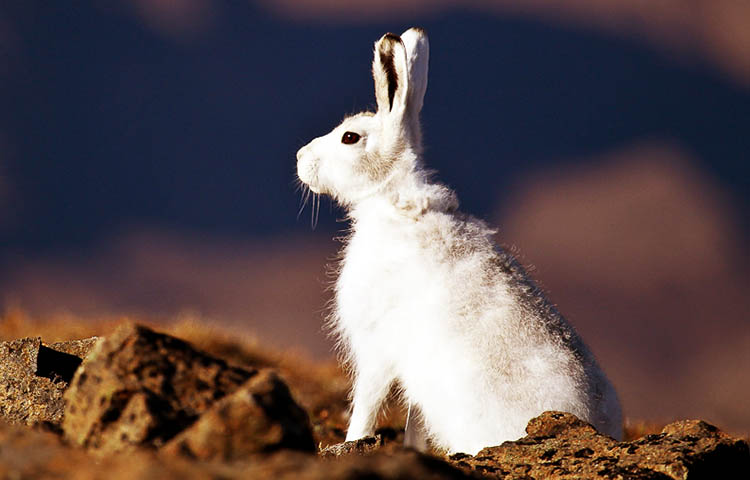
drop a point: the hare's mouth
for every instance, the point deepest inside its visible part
(307, 174)
(310, 183)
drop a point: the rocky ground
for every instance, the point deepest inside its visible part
(194, 403)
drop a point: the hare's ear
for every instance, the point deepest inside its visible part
(417, 55)
(390, 71)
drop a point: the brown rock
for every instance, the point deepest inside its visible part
(79, 348)
(401, 465)
(690, 449)
(34, 376)
(30, 454)
(140, 388)
(560, 446)
(551, 424)
(259, 417)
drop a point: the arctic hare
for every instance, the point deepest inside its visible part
(425, 299)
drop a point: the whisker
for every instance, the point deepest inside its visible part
(314, 210)
(303, 199)
(317, 211)
(303, 196)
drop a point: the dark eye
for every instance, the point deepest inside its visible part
(350, 138)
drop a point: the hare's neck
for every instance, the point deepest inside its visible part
(378, 208)
(406, 201)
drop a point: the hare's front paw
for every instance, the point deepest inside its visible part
(363, 446)
(371, 386)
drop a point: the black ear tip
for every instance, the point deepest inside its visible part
(392, 37)
(388, 43)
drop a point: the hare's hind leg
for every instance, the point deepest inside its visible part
(415, 435)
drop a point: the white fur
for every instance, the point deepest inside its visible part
(426, 300)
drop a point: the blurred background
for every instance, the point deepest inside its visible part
(147, 166)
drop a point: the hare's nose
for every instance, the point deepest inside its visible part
(301, 153)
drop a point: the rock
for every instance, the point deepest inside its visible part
(560, 446)
(138, 387)
(363, 446)
(27, 453)
(551, 424)
(260, 417)
(202, 418)
(79, 348)
(34, 376)
(690, 449)
(30, 454)
(401, 465)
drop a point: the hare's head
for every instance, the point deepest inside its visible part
(372, 152)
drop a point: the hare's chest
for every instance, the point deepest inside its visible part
(383, 281)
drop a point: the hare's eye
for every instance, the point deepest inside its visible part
(350, 138)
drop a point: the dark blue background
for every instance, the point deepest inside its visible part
(112, 125)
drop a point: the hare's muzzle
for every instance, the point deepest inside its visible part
(307, 168)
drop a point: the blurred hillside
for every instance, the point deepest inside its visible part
(147, 167)
(645, 255)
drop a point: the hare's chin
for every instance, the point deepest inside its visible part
(307, 177)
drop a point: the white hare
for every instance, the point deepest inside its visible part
(426, 300)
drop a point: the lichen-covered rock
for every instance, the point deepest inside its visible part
(560, 446)
(138, 387)
(34, 376)
(260, 417)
